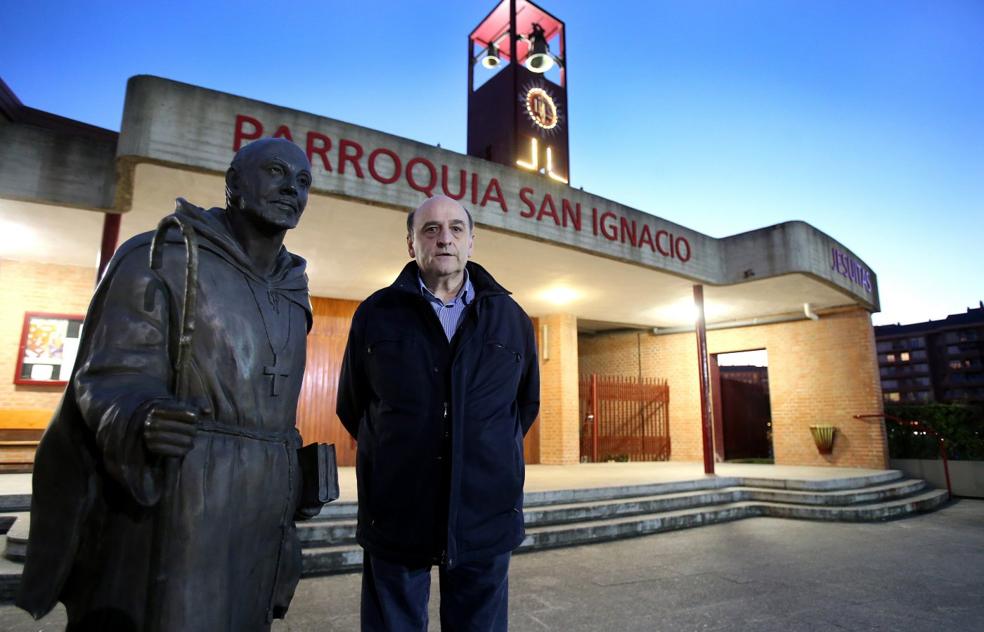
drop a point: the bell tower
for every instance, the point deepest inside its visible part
(517, 90)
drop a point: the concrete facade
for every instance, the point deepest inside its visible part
(622, 268)
(174, 123)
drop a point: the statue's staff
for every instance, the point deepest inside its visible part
(157, 577)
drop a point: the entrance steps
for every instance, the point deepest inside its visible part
(582, 516)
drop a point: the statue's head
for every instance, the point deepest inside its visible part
(268, 183)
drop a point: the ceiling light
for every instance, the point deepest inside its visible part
(684, 312)
(560, 295)
(16, 238)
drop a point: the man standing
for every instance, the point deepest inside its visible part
(232, 557)
(439, 385)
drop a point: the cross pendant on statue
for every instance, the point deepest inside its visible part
(275, 371)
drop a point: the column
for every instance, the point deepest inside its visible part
(559, 422)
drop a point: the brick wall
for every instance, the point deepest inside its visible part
(35, 287)
(559, 441)
(820, 372)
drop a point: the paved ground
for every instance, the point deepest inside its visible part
(924, 573)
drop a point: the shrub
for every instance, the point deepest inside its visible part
(962, 426)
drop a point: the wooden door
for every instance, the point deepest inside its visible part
(316, 417)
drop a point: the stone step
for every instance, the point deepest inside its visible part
(327, 531)
(926, 500)
(339, 511)
(581, 516)
(646, 524)
(328, 560)
(10, 573)
(898, 488)
(345, 558)
(15, 543)
(15, 502)
(566, 496)
(559, 514)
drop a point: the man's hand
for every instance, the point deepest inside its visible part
(170, 428)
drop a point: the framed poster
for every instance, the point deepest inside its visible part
(48, 346)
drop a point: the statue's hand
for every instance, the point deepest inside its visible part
(169, 429)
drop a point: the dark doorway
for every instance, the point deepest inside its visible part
(742, 405)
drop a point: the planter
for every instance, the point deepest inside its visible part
(823, 436)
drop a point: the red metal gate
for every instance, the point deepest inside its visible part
(624, 419)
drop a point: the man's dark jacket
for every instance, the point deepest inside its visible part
(439, 424)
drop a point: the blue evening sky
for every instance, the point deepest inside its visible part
(864, 118)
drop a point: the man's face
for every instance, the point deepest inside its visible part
(441, 240)
(272, 183)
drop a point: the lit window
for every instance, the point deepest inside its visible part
(904, 356)
(890, 357)
(892, 397)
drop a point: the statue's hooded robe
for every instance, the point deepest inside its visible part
(232, 556)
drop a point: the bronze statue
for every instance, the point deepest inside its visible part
(204, 392)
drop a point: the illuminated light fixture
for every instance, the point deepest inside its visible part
(17, 238)
(685, 313)
(550, 171)
(534, 162)
(539, 59)
(491, 57)
(560, 295)
(541, 108)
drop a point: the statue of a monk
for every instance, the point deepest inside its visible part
(232, 559)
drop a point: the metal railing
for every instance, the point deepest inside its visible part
(919, 426)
